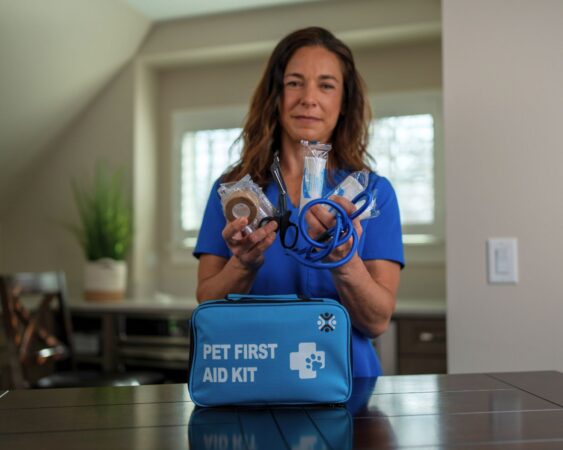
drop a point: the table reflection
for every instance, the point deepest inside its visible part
(372, 428)
(272, 428)
(296, 428)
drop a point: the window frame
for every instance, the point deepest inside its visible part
(423, 242)
(412, 103)
(182, 122)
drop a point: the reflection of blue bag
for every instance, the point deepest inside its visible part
(270, 350)
(272, 429)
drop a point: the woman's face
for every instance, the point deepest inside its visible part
(312, 95)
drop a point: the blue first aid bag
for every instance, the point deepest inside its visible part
(270, 350)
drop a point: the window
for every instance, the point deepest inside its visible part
(403, 148)
(406, 144)
(204, 156)
(405, 141)
(202, 150)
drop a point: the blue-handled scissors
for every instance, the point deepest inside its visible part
(288, 230)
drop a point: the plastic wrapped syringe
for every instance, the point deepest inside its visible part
(314, 169)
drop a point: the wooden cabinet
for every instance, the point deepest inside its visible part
(421, 345)
(118, 341)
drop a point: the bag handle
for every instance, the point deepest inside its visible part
(236, 297)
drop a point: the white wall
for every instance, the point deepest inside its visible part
(503, 106)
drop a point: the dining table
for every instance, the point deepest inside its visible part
(500, 410)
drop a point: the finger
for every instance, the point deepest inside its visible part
(263, 245)
(323, 215)
(319, 220)
(314, 225)
(346, 204)
(259, 234)
(251, 240)
(256, 253)
(271, 227)
(237, 225)
(358, 227)
(232, 233)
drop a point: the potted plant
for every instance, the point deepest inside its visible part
(105, 233)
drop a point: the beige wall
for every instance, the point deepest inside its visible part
(503, 95)
(359, 21)
(182, 63)
(56, 57)
(35, 236)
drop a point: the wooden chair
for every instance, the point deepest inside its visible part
(42, 338)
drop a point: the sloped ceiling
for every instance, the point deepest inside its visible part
(55, 56)
(175, 9)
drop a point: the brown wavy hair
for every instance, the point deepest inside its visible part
(261, 132)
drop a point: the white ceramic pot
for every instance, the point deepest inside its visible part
(105, 280)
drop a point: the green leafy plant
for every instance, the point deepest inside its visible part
(106, 216)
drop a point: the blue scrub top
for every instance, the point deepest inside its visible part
(281, 274)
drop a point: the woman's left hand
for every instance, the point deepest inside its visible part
(319, 220)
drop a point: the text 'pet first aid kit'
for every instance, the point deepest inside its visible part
(270, 350)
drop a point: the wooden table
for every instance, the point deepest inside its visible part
(487, 411)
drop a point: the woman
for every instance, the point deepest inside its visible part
(310, 90)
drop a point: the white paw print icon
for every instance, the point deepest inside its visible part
(307, 361)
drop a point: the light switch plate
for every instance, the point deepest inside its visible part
(502, 260)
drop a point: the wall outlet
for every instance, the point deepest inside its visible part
(502, 260)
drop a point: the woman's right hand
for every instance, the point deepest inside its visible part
(249, 249)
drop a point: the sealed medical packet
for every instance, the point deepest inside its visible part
(244, 198)
(314, 170)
